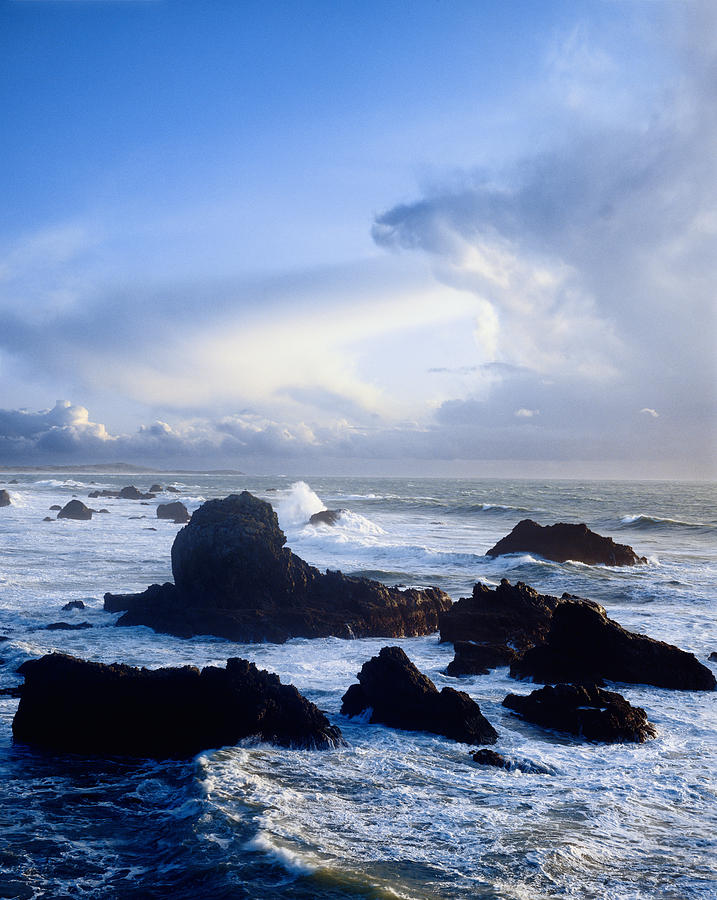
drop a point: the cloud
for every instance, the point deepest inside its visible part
(524, 413)
(650, 412)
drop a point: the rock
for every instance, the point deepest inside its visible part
(126, 493)
(149, 529)
(584, 710)
(713, 656)
(485, 757)
(584, 645)
(68, 626)
(55, 507)
(233, 577)
(14, 481)
(326, 517)
(5, 498)
(478, 659)
(562, 542)
(173, 490)
(155, 489)
(106, 511)
(48, 519)
(498, 624)
(73, 604)
(136, 517)
(176, 511)
(75, 509)
(402, 697)
(71, 705)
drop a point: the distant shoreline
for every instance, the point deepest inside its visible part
(116, 469)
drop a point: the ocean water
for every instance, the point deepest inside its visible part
(393, 814)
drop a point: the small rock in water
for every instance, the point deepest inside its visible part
(563, 542)
(48, 519)
(56, 507)
(403, 697)
(68, 626)
(175, 510)
(155, 489)
(75, 509)
(326, 517)
(73, 604)
(485, 757)
(5, 498)
(713, 656)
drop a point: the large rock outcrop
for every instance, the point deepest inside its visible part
(71, 705)
(233, 577)
(562, 542)
(584, 645)
(584, 710)
(493, 626)
(402, 697)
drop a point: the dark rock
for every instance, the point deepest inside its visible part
(136, 517)
(149, 529)
(75, 509)
(562, 542)
(5, 498)
(155, 489)
(48, 519)
(478, 659)
(126, 493)
(55, 507)
(173, 490)
(15, 691)
(73, 604)
(235, 578)
(68, 626)
(713, 656)
(485, 757)
(402, 697)
(176, 511)
(584, 645)
(584, 710)
(71, 705)
(14, 481)
(326, 517)
(103, 511)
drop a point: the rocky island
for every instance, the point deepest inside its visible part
(234, 578)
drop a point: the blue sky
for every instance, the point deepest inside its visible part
(427, 236)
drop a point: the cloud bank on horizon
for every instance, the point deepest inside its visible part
(236, 285)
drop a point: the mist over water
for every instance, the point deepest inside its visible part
(393, 814)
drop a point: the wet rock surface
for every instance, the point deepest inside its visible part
(583, 645)
(176, 511)
(485, 757)
(586, 711)
(72, 705)
(563, 542)
(401, 696)
(233, 577)
(326, 517)
(5, 498)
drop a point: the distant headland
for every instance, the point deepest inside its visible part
(118, 468)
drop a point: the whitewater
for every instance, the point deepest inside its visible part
(392, 814)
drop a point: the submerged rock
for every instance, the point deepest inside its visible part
(5, 498)
(233, 577)
(72, 705)
(485, 757)
(478, 659)
(75, 509)
(584, 710)
(583, 644)
(562, 542)
(326, 517)
(176, 511)
(73, 604)
(68, 626)
(402, 697)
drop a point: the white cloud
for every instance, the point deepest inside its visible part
(650, 412)
(524, 413)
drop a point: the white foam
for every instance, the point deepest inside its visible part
(296, 505)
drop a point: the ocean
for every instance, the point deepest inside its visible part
(392, 814)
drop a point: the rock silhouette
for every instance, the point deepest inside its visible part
(562, 542)
(75, 509)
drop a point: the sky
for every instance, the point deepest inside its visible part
(431, 237)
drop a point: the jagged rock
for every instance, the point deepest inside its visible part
(5, 498)
(485, 757)
(562, 542)
(155, 489)
(55, 507)
(73, 604)
(402, 697)
(584, 645)
(75, 509)
(478, 659)
(176, 511)
(68, 626)
(235, 578)
(584, 710)
(71, 705)
(326, 517)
